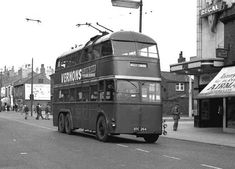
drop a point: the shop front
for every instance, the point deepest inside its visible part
(217, 101)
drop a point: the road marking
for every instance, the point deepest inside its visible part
(32, 124)
(23, 153)
(139, 149)
(122, 145)
(175, 158)
(210, 166)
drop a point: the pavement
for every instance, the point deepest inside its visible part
(186, 130)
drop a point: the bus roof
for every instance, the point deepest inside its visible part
(126, 36)
(119, 36)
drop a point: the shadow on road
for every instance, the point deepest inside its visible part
(112, 139)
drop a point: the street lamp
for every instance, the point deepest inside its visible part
(130, 4)
(31, 95)
(1, 91)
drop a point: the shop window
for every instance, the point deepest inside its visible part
(230, 115)
(179, 87)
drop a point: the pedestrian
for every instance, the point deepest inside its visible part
(16, 107)
(26, 111)
(39, 112)
(176, 116)
(47, 111)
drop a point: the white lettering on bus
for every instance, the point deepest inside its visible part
(75, 75)
(71, 76)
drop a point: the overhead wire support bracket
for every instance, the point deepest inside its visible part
(34, 20)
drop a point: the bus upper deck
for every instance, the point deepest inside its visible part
(121, 53)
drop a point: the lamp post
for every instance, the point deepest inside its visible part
(31, 95)
(190, 96)
(130, 4)
(1, 91)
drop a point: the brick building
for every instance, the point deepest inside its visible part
(175, 90)
(41, 89)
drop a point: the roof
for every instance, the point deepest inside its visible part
(120, 35)
(27, 79)
(173, 77)
(126, 36)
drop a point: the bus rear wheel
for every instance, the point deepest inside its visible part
(68, 124)
(101, 129)
(61, 126)
(151, 138)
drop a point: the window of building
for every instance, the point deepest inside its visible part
(40, 80)
(179, 87)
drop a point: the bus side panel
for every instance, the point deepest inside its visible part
(152, 118)
(139, 119)
(127, 118)
(93, 114)
(55, 114)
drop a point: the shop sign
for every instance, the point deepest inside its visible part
(206, 78)
(221, 53)
(211, 9)
(223, 85)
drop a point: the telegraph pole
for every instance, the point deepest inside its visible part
(31, 95)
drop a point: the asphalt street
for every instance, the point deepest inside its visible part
(36, 144)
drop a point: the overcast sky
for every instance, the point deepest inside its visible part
(172, 24)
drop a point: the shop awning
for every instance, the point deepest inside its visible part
(223, 85)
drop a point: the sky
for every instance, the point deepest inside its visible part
(171, 23)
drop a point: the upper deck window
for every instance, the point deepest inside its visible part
(135, 49)
(106, 49)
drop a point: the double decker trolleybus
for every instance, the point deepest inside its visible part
(110, 86)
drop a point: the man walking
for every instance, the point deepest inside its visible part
(39, 112)
(26, 111)
(176, 116)
(47, 111)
